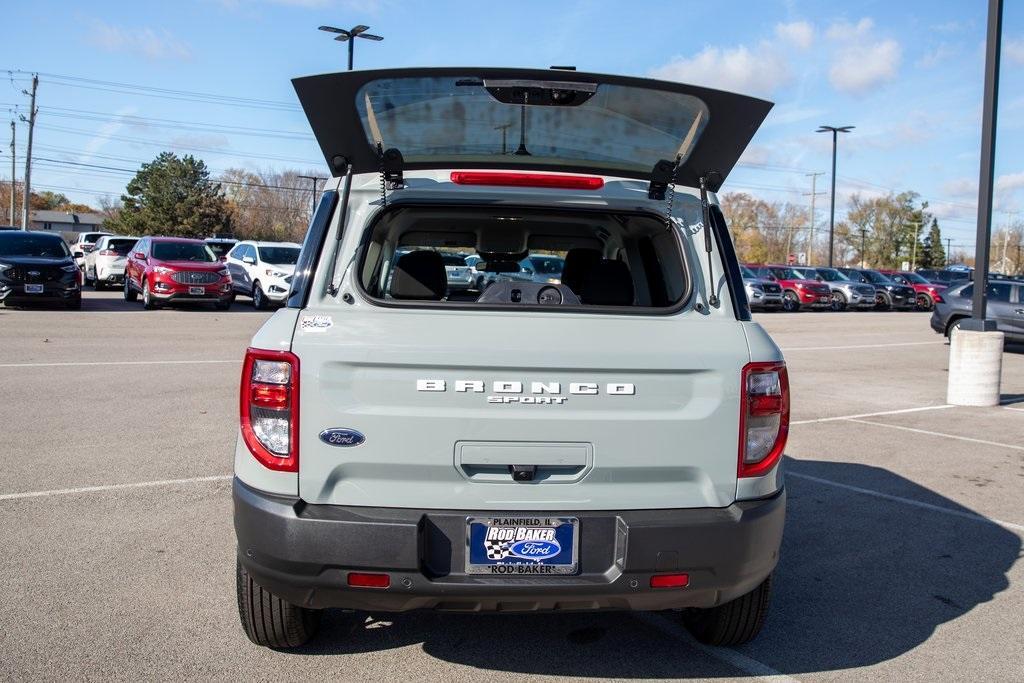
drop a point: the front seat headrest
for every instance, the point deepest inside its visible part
(578, 262)
(419, 275)
(609, 283)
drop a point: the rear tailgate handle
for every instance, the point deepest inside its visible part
(533, 462)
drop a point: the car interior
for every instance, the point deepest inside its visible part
(610, 259)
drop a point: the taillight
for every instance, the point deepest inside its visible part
(269, 408)
(107, 252)
(764, 417)
(548, 180)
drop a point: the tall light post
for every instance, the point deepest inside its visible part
(835, 130)
(350, 35)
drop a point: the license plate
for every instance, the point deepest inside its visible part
(198, 291)
(33, 289)
(824, 299)
(521, 546)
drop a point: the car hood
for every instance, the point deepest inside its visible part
(189, 265)
(287, 269)
(528, 119)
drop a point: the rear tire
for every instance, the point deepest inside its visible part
(954, 324)
(270, 621)
(924, 302)
(734, 623)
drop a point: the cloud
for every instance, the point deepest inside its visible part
(1010, 182)
(144, 42)
(936, 56)
(758, 70)
(1013, 50)
(861, 63)
(798, 33)
(960, 187)
(201, 141)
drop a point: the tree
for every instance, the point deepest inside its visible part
(933, 254)
(882, 231)
(173, 196)
(763, 231)
(269, 205)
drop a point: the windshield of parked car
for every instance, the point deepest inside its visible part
(789, 274)
(120, 246)
(832, 275)
(26, 244)
(876, 278)
(183, 251)
(915, 279)
(747, 273)
(280, 256)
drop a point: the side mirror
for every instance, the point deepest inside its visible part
(249, 260)
(480, 267)
(139, 255)
(79, 254)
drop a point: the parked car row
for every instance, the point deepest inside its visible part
(41, 267)
(1005, 305)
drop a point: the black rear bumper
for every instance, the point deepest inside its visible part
(303, 553)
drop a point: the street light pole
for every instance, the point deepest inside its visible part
(835, 130)
(350, 35)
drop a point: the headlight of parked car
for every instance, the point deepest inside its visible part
(276, 273)
(70, 268)
(163, 270)
(224, 272)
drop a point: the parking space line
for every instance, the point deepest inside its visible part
(1017, 410)
(747, 665)
(887, 412)
(857, 346)
(910, 501)
(116, 362)
(112, 487)
(946, 436)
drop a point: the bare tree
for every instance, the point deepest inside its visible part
(269, 205)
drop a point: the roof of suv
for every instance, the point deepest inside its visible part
(189, 240)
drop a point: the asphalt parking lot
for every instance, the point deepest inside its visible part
(900, 559)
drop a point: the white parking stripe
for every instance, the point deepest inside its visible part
(887, 412)
(858, 346)
(1019, 410)
(116, 362)
(112, 487)
(945, 436)
(909, 501)
(747, 665)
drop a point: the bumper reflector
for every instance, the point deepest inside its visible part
(362, 580)
(670, 581)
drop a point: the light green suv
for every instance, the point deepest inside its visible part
(608, 438)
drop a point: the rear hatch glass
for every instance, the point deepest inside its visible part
(528, 119)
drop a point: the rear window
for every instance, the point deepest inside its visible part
(91, 237)
(26, 244)
(220, 248)
(121, 246)
(183, 251)
(551, 259)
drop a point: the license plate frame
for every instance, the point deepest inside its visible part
(197, 291)
(33, 289)
(515, 551)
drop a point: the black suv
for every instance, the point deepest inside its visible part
(36, 267)
(889, 294)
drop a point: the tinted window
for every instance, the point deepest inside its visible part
(547, 265)
(876, 278)
(26, 244)
(283, 256)
(747, 272)
(453, 260)
(121, 246)
(914, 278)
(183, 251)
(832, 275)
(90, 237)
(219, 248)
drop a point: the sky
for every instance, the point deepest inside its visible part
(119, 83)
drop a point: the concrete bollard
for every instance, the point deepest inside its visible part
(975, 368)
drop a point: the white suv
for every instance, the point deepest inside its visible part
(263, 270)
(104, 264)
(83, 244)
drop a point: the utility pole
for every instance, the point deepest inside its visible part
(813, 193)
(14, 190)
(863, 246)
(504, 136)
(949, 246)
(314, 179)
(32, 111)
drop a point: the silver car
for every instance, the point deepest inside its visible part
(104, 264)
(845, 292)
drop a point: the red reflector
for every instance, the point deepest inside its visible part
(368, 580)
(765, 405)
(670, 581)
(549, 180)
(270, 395)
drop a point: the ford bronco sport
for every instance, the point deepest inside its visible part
(610, 438)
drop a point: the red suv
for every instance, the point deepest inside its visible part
(796, 290)
(928, 293)
(169, 270)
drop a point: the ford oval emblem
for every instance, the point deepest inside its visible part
(535, 550)
(342, 437)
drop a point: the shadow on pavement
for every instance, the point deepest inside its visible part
(862, 580)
